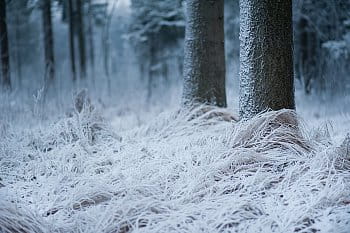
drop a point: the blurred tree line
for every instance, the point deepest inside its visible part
(155, 31)
(42, 36)
(322, 45)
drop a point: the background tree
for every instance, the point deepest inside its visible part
(91, 38)
(204, 64)
(156, 32)
(266, 56)
(80, 27)
(322, 54)
(82, 17)
(48, 41)
(5, 55)
(19, 12)
(106, 44)
(71, 38)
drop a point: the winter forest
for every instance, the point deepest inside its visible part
(186, 116)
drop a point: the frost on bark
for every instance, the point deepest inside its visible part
(4, 46)
(204, 63)
(266, 59)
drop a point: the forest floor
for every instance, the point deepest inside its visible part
(161, 169)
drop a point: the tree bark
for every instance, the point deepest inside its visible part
(266, 56)
(71, 38)
(204, 62)
(4, 53)
(48, 41)
(81, 38)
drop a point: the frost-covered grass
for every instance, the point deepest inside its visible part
(133, 169)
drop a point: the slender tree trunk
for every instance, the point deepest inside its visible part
(71, 38)
(142, 71)
(151, 67)
(204, 63)
(105, 40)
(81, 38)
(18, 49)
(180, 64)
(4, 53)
(65, 12)
(48, 41)
(106, 45)
(266, 57)
(91, 40)
(165, 72)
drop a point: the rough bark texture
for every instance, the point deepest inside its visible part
(204, 63)
(266, 56)
(48, 40)
(71, 38)
(4, 45)
(81, 38)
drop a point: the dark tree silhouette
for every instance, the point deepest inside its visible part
(81, 38)
(71, 38)
(48, 40)
(5, 55)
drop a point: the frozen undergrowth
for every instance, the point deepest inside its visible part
(186, 171)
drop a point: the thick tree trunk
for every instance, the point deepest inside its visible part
(266, 56)
(4, 46)
(81, 38)
(71, 38)
(48, 41)
(204, 63)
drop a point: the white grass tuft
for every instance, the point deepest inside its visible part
(15, 219)
(186, 171)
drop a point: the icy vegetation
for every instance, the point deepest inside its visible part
(197, 170)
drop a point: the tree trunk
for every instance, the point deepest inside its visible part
(151, 67)
(18, 48)
(48, 41)
(165, 71)
(91, 40)
(204, 62)
(81, 38)
(4, 53)
(65, 13)
(266, 58)
(71, 38)
(106, 45)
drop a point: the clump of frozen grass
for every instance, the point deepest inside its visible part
(197, 170)
(19, 219)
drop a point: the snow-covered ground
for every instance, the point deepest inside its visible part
(124, 167)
